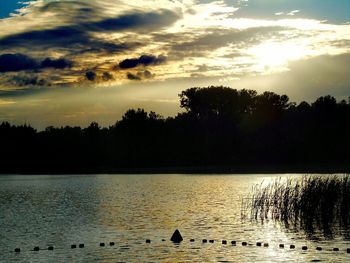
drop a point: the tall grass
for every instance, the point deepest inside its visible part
(312, 202)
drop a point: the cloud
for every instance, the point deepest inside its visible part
(140, 21)
(60, 63)
(80, 35)
(306, 79)
(211, 40)
(27, 80)
(98, 77)
(19, 62)
(106, 76)
(109, 37)
(144, 60)
(291, 13)
(147, 74)
(16, 62)
(131, 76)
(90, 75)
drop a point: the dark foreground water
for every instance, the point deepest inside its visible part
(62, 210)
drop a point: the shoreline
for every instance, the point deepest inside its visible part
(311, 169)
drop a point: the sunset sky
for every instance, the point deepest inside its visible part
(71, 62)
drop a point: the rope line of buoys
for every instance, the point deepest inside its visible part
(177, 238)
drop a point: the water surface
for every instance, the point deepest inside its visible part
(60, 210)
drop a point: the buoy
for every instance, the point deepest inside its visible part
(335, 249)
(102, 244)
(266, 244)
(176, 237)
(304, 247)
(73, 246)
(292, 246)
(233, 242)
(50, 248)
(204, 241)
(319, 248)
(81, 245)
(192, 240)
(258, 244)
(211, 241)
(224, 242)
(36, 248)
(244, 243)
(148, 241)
(163, 240)
(111, 243)
(281, 245)
(17, 250)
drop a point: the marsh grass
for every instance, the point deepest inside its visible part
(312, 203)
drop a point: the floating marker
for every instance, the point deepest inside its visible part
(266, 244)
(148, 241)
(17, 250)
(176, 237)
(50, 248)
(81, 245)
(111, 243)
(192, 240)
(244, 243)
(335, 249)
(281, 245)
(163, 240)
(211, 241)
(233, 242)
(102, 244)
(292, 246)
(319, 248)
(36, 248)
(304, 247)
(258, 244)
(73, 246)
(224, 242)
(204, 241)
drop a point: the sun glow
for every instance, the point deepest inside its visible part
(274, 56)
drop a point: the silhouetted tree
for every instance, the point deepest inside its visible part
(221, 127)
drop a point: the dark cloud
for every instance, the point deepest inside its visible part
(60, 63)
(214, 39)
(136, 21)
(90, 75)
(147, 74)
(79, 35)
(144, 60)
(74, 39)
(106, 76)
(16, 62)
(20, 62)
(132, 76)
(27, 80)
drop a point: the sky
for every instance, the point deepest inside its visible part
(71, 62)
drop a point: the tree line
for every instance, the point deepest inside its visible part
(221, 129)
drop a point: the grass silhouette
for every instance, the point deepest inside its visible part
(312, 203)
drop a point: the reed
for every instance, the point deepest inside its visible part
(312, 202)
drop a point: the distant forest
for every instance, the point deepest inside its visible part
(221, 130)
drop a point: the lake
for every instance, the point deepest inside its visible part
(61, 210)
